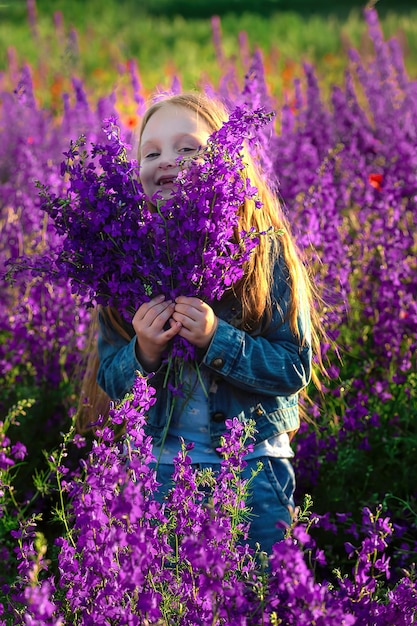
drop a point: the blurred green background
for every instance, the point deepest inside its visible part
(204, 8)
(94, 39)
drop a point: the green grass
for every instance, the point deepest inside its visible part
(111, 32)
(77, 10)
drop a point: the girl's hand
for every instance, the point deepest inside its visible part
(197, 319)
(152, 336)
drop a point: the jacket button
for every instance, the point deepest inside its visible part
(218, 416)
(217, 363)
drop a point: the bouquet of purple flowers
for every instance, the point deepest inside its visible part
(117, 249)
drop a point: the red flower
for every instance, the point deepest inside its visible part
(376, 181)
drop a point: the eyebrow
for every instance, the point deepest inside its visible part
(152, 142)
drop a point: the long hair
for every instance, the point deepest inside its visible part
(254, 289)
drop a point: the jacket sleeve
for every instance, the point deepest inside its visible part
(274, 363)
(118, 363)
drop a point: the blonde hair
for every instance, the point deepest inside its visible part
(254, 289)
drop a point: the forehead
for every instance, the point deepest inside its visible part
(172, 118)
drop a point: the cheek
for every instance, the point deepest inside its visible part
(144, 175)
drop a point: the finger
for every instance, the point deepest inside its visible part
(186, 320)
(185, 333)
(157, 317)
(159, 313)
(190, 301)
(189, 310)
(175, 329)
(147, 306)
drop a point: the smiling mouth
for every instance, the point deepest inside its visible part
(167, 181)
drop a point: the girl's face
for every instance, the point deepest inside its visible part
(171, 133)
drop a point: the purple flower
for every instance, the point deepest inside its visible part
(114, 251)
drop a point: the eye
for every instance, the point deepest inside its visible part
(187, 149)
(151, 155)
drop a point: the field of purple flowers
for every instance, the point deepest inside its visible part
(82, 540)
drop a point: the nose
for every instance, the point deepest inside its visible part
(167, 160)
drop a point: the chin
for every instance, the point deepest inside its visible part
(163, 195)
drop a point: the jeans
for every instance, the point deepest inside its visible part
(271, 497)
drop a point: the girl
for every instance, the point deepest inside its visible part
(254, 346)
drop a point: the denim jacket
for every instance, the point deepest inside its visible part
(255, 375)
